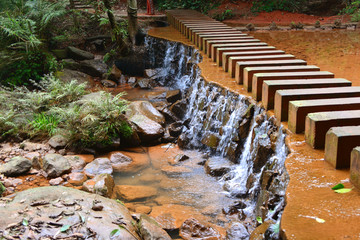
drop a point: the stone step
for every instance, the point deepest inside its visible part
(249, 72)
(227, 55)
(190, 32)
(237, 46)
(199, 38)
(283, 97)
(270, 87)
(355, 167)
(198, 32)
(259, 78)
(207, 47)
(185, 27)
(339, 143)
(298, 110)
(221, 51)
(317, 125)
(234, 60)
(205, 41)
(240, 66)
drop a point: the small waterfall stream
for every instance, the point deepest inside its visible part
(230, 127)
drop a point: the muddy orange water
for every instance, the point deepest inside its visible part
(309, 194)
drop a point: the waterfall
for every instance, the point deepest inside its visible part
(231, 126)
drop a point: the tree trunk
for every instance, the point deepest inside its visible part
(132, 19)
(123, 48)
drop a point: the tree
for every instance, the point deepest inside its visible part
(132, 19)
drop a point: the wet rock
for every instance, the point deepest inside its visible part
(183, 141)
(259, 232)
(172, 216)
(244, 128)
(67, 75)
(178, 158)
(76, 162)
(98, 166)
(95, 68)
(77, 178)
(147, 129)
(69, 64)
(55, 165)
(211, 140)
(175, 129)
(150, 230)
(132, 81)
(150, 177)
(34, 157)
(151, 73)
(237, 231)
(146, 83)
(133, 193)
(69, 206)
(179, 108)
(169, 116)
(193, 229)
(263, 152)
(128, 162)
(146, 109)
(16, 166)
(173, 96)
(78, 54)
(167, 138)
(115, 74)
(58, 141)
(218, 166)
(234, 208)
(108, 84)
(56, 181)
(210, 210)
(173, 171)
(102, 184)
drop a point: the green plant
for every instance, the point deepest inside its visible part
(44, 124)
(272, 5)
(227, 14)
(203, 6)
(2, 188)
(355, 17)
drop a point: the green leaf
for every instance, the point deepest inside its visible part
(320, 220)
(119, 201)
(25, 222)
(259, 219)
(65, 228)
(338, 186)
(114, 232)
(343, 190)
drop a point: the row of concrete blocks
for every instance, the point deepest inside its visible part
(310, 100)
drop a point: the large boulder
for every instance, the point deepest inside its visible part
(150, 229)
(179, 108)
(78, 54)
(16, 166)
(72, 210)
(95, 68)
(98, 166)
(67, 75)
(58, 141)
(147, 129)
(55, 165)
(77, 163)
(77, 178)
(129, 162)
(145, 108)
(192, 229)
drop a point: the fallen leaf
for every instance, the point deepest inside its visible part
(338, 186)
(259, 219)
(114, 232)
(320, 220)
(65, 228)
(343, 190)
(25, 222)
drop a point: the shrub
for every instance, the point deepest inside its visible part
(227, 14)
(203, 6)
(272, 5)
(60, 107)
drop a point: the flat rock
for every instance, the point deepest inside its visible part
(128, 162)
(150, 230)
(55, 165)
(58, 141)
(79, 54)
(147, 129)
(69, 206)
(98, 166)
(175, 170)
(193, 229)
(145, 108)
(16, 166)
(132, 193)
(95, 68)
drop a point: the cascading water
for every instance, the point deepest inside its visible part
(229, 126)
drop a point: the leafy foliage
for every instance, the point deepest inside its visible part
(59, 107)
(203, 6)
(227, 14)
(272, 5)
